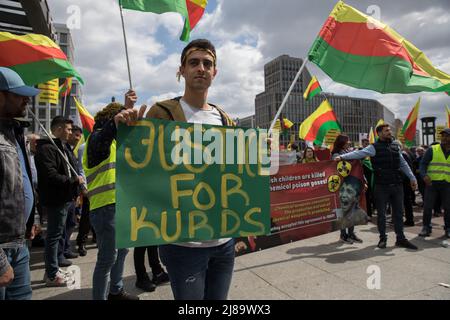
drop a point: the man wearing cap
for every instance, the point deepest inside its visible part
(435, 170)
(16, 191)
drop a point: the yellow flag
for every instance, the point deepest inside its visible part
(371, 136)
(380, 122)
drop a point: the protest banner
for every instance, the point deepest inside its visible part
(179, 182)
(307, 200)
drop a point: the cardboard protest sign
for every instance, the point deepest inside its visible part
(180, 182)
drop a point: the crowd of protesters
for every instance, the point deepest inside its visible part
(63, 185)
(391, 180)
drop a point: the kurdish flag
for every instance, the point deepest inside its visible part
(283, 126)
(359, 51)
(87, 120)
(287, 124)
(409, 128)
(66, 87)
(191, 10)
(448, 117)
(312, 90)
(317, 125)
(371, 136)
(36, 58)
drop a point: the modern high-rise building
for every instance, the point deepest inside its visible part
(356, 115)
(26, 16)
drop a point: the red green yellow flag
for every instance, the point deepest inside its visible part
(35, 57)
(287, 124)
(359, 51)
(409, 128)
(371, 136)
(312, 90)
(317, 125)
(448, 117)
(87, 120)
(191, 10)
(65, 88)
(283, 126)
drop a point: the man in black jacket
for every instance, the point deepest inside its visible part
(16, 190)
(58, 187)
(388, 164)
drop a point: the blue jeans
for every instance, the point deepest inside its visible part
(56, 222)
(64, 246)
(199, 273)
(437, 189)
(20, 288)
(110, 261)
(392, 194)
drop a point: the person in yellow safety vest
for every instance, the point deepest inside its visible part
(435, 170)
(99, 161)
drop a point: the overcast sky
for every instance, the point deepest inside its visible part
(247, 34)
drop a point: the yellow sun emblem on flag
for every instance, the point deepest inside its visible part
(344, 168)
(334, 182)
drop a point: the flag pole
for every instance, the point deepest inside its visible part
(64, 105)
(126, 46)
(287, 96)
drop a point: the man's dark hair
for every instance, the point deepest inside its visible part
(59, 121)
(76, 128)
(354, 182)
(363, 140)
(201, 44)
(380, 128)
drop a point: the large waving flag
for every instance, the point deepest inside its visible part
(317, 125)
(409, 128)
(191, 10)
(36, 58)
(359, 51)
(87, 120)
(313, 89)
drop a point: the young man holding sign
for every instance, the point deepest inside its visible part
(203, 269)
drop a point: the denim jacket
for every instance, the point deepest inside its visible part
(12, 201)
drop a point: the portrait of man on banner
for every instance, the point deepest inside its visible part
(350, 213)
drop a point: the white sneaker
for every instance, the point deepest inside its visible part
(66, 275)
(58, 281)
